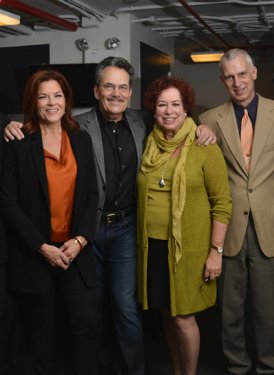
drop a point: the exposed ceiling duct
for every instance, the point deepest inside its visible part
(19, 29)
(215, 24)
(203, 22)
(25, 8)
(85, 10)
(200, 24)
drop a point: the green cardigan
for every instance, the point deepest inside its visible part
(207, 198)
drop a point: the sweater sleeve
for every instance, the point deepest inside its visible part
(216, 183)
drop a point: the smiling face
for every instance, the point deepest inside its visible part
(51, 103)
(113, 93)
(169, 111)
(239, 77)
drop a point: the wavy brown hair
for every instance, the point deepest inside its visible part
(156, 87)
(30, 96)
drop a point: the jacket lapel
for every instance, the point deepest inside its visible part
(227, 123)
(80, 165)
(39, 161)
(137, 135)
(93, 127)
(264, 123)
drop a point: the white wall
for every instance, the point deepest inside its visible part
(62, 43)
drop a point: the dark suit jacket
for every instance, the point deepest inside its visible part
(25, 207)
(89, 122)
(250, 192)
(3, 242)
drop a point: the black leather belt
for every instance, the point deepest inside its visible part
(113, 217)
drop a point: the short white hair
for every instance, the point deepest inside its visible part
(231, 54)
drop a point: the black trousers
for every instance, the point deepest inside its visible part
(78, 311)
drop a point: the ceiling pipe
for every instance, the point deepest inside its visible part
(196, 15)
(39, 13)
(133, 8)
(197, 3)
(20, 29)
(83, 9)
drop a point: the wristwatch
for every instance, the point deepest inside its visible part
(219, 249)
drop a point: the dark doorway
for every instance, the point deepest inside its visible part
(14, 71)
(154, 64)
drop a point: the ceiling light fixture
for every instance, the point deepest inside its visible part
(202, 57)
(8, 19)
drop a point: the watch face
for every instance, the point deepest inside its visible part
(219, 249)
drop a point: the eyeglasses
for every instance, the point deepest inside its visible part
(110, 87)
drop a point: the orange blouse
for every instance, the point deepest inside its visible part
(61, 176)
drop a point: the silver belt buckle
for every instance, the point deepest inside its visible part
(110, 218)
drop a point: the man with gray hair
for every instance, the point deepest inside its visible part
(244, 127)
(117, 134)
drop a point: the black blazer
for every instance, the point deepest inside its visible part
(25, 208)
(3, 242)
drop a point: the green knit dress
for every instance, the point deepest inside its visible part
(207, 198)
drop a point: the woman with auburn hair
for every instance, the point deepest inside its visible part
(184, 207)
(49, 203)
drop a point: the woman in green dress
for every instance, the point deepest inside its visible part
(184, 207)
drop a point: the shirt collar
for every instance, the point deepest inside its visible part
(102, 119)
(251, 109)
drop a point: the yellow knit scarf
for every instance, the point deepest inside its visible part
(158, 151)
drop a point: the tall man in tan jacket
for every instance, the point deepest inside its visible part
(248, 262)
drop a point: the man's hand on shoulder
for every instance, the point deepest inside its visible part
(205, 136)
(13, 131)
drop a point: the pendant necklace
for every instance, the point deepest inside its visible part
(162, 182)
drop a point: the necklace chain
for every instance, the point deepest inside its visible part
(162, 182)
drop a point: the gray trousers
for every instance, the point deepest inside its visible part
(246, 287)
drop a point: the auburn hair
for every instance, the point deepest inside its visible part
(30, 97)
(156, 87)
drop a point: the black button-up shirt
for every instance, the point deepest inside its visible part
(120, 164)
